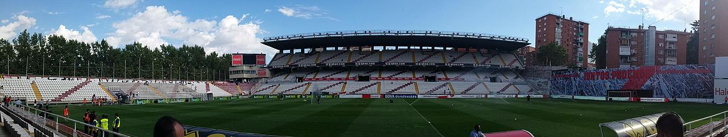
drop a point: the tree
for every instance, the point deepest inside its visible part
(693, 45)
(552, 54)
(598, 53)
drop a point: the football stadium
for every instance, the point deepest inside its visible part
(377, 83)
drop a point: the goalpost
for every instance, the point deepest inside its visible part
(620, 95)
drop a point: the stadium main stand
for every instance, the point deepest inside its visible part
(352, 63)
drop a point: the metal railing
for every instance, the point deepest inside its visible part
(34, 115)
(711, 119)
(395, 33)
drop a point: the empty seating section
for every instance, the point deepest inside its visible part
(279, 77)
(433, 88)
(280, 59)
(216, 91)
(361, 88)
(331, 87)
(459, 57)
(86, 92)
(17, 88)
(397, 56)
(466, 75)
(438, 73)
(469, 88)
(429, 57)
(333, 57)
(488, 59)
(300, 58)
(231, 88)
(50, 89)
(291, 88)
(524, 89)
(365, 56)
(332, 74)
(511, 60)
(397, 87)
(396, 74)
(265, 89)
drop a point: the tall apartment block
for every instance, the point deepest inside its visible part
(630, 47)
(571, 34)
(713, 30)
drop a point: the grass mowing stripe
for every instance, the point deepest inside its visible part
(452, 122)
(423, 117)
(335, 118)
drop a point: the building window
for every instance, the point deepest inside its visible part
(712, 26)
(706, 3)
(712, 36)
(661, 36)
(713, 7)
(705, 12)
(713, 18)
(661, 44)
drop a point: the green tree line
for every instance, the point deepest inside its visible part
(55, 56)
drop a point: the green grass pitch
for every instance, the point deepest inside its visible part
(378, 117)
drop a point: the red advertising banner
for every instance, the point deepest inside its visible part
(237, 60)
(262, 73)
(260, 59)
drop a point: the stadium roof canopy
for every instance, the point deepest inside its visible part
(395, 38)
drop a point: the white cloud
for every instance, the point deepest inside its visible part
(267, 10)
(4, 21)
(103, 17)
(305, 12)
(156, 25)
(53, 13)
(119, 4)
(11, 29)
(601, 1)
(286, 11)
(595, 17)
(87, 36)
(614, 7)
(673, 10)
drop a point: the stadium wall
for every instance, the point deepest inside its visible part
(680, 81)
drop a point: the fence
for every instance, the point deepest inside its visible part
(50, 120)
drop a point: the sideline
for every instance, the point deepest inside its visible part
(423, 117)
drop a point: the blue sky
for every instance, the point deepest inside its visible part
(230, 26)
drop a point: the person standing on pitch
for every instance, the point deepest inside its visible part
(476, 131)
(65, 112)
(105, 124)
(117, 123)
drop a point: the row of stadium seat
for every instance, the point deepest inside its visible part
(396, 56)
(480, 75)
(395, 87)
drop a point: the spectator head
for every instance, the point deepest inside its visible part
(670, 125)
(167, 126)
(476, 127)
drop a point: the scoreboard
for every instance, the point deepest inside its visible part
(248, 59)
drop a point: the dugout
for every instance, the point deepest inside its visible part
(633, 127)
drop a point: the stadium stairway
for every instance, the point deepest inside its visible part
(228, 87)
(156, 91)
(436, 88)
(330, 86)
(136, 85)
(365, 56)
(329, 75)
(457, 57)
(265, 88)
(428, 56)
(70, 91)
(399, 87)
(487, 60)
(396, 56)
(34, 86)
(364, 87)
(505, 88)
(296, 87)
(396, 74)
(303, 58)
(332, 57)
(471, 87)
(113, 98)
